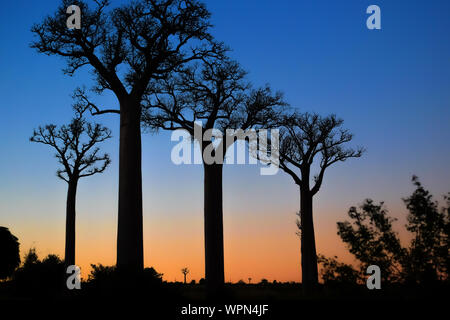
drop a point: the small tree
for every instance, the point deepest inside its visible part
(9, 253)
(429, 250)
(369, 236)
(185, 271)
(76, 150)
(306, 139)
(334, 271)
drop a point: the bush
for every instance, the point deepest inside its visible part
(9, 253)
(46, 277)
(110, 280)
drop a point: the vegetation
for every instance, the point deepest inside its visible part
(9, 253)
(371, 239)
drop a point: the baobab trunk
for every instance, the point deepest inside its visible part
(308, 243)
(130, 251)
(213, 211)
(69, 255)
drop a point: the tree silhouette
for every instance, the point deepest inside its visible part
(369, 236)
(126, 48)
(40, 277)
(371, 240)
(306, 139)
(335, 272)
(200, 98)
(429, 258)
(9, 253)
(76, 150)
(185, 271)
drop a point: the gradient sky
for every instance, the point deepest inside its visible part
(391, 86)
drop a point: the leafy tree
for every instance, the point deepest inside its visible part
(185, 271)
(429, 250)
(76, 150)
(110, 279)
(308, 139)
(371, 240)
(200, 98)
(9, 253)
(126, 48)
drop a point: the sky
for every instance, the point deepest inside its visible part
(391, 87)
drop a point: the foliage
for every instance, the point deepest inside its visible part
(46, 276)
(9, 253)
(371, 239)
(106, 278)
(429, 250)
(334, 271)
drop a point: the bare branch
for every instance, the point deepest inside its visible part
(308, 137)
(74, 147)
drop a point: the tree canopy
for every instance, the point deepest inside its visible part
(76, 146)
(9, 253)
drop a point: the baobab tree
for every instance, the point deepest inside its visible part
(76, 149)
(185, 271)
(125, 49)
(307, 139)
(200, 98)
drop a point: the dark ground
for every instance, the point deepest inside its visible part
(285, 301)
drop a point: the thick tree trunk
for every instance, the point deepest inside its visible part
(130, 251)
(69, 256)
(308, 243)
(214, 257)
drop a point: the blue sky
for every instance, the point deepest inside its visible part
(391, 86)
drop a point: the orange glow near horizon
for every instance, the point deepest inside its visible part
(267, 248)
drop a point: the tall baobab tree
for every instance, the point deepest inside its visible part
(76, 150)
(202, 97)
(185, 271)
(126, 48)
(308, 139)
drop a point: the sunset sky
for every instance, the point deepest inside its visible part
(391, 86)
